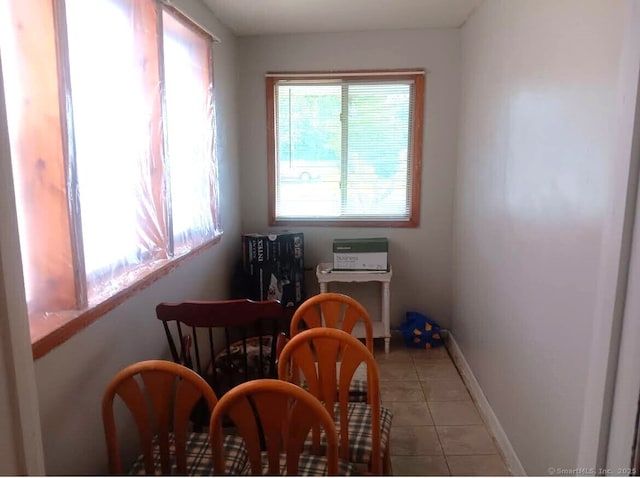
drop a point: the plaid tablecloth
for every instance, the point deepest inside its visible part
(199, 456)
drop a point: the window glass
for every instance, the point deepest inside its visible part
(189, 143)
(111, 118)
(378, 143)
(310, 150)
(110, 114)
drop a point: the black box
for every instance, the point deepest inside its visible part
(273, 267)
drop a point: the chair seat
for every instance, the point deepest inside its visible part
(198, 454)
(357, 391)
(360, 436)
(308, 465)
(358, 387)
(257, 360)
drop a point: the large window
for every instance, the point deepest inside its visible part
(111, 125)
(345, 148)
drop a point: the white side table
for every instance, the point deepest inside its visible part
(381, 328)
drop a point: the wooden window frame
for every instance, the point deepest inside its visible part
(417, 115)
(59, 308)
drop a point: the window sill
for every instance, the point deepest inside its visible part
(411, 222)
(50, 329)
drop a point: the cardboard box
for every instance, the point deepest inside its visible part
(270, 281)
(370, 254)
(272, 248)
(273, 267)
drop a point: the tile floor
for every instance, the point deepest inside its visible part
(436, 429)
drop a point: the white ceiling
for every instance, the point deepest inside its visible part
(259, 17)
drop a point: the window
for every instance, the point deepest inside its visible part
(110, 113)
(345, 148)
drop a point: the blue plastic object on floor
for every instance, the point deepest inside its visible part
(420, 332)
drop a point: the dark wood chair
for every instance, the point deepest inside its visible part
(227, 342)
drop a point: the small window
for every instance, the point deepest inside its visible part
(345, 148)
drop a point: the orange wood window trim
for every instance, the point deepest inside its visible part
(52, 329)
(395, 74)
(187, 22)
(271, 148)
(417, 138)
(145, 26)
(180, 26)
(343, 223)
(40, 147)
(417, 135)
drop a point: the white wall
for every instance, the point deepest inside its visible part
(421, 257)
(10, 440)
(21, 442)
(72, 377)
(538, 176)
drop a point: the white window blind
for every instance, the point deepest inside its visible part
(344, 148)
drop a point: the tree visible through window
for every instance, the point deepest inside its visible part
(345, 148)
(111, 129)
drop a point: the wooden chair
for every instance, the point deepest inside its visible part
(273, 419)
(160, 396)
(330, 309)
(338, 311)
(364, 428)
(227, 342)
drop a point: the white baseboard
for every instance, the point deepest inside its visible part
(490, 419)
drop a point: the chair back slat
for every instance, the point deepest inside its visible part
(277, 414)
(333, 310)
(228, 338)
(161, 396)
(328, 358)
(172, 345)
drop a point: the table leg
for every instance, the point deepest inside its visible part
(323, 287)
(386, 303)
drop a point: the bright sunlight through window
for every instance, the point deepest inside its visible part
(346, 148)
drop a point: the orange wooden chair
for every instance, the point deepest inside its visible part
(273, 419)
(338, 311)
(161, 396)
(330, 309)
(326, 360)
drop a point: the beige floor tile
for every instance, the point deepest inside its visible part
(359, 374)
(409, 413)
(455, 413)
(436, 370)
(419, 466)
(466, 440)
(406, 391)
(438, 353)
(415, 441)
(397, 371)
(445, 390)
(396, 354)
(430, 393)
(477, 465)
